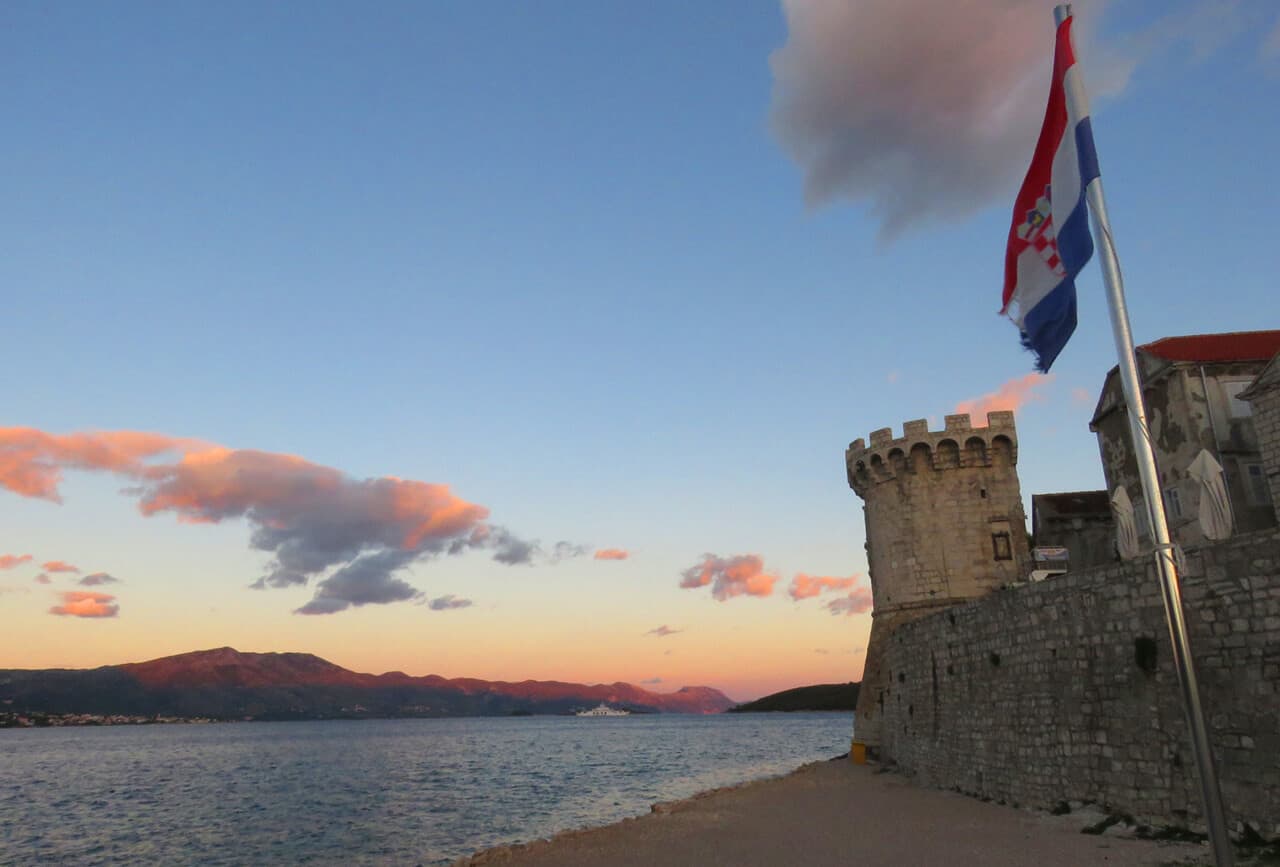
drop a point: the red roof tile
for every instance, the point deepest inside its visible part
(1235, 346)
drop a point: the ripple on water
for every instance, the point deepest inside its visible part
(352, 793)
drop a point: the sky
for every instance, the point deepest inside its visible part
(522, 341)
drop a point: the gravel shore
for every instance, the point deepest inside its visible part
(839, 813)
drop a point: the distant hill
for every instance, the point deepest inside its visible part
(823, 696)
(227, 684)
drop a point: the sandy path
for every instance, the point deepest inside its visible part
(839, 813)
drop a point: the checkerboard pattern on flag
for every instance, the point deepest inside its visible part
(1049, 239)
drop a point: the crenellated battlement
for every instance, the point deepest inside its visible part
(959, 444)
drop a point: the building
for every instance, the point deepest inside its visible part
(1080, 522)
(1194, 387)
(1264, 396)
(944, 524)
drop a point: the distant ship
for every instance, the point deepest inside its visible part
(604, 710)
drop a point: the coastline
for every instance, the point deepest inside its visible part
(836, 812)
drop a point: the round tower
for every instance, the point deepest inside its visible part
(945, 524)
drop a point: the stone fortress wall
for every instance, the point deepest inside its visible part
(1065, 690)
(1061, 690)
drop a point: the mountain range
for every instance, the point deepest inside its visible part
(227, 684)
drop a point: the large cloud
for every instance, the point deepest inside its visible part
(315, 521)
(742, 575)
(923, 111)
(807, 586)
(8, 561)
(1010, 395)
(85, 603)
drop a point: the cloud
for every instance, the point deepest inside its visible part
(857, 602)
(611, 554)
(514, 551)
(448, 602)
(1082, 396)
(85, 603)
(807, 586)
(742, 575)
(350, 535)
(9, 561)
(59, 566)
(923, 113)
(97, 578)
(652, 680)
(1009, 396)
(663, 631)
(1270, 49)
(42, 578)
(821, 651)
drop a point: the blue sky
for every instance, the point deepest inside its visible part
(554, 256)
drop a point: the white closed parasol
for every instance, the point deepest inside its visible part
(1215, 506)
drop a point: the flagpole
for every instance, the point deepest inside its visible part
(1166, 565)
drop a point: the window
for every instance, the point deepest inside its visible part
(1142, 518)
(1173, 503)
(1255, 482)
(1236, 407)
(1001, 548)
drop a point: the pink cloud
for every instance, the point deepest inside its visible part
(1082, 396)
(1009, 396)
(8, 561)
(857, 602)
(85, 603)
(742, 575)
(611, 554)
(353, 535)
(807, 586)
(663, 631)
(58, 566)
(42, 578)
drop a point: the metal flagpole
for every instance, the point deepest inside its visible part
(1166, 565)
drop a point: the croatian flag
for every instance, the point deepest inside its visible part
(1049, 240)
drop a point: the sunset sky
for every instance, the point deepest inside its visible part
(524, 340)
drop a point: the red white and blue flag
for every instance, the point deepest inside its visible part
(1049, 240)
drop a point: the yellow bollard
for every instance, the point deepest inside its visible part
(858, 752)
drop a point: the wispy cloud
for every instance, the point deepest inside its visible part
(98, 579)
(611, 554)
(352, 536)
(1009, 396)
(857, 602)
(85, 603)
(652, 680)
(741, 575)
(1082, 396)
(663, 631)
(9, 561)
(58, 566)
(448, 603)
(807, 586)
(42, 578)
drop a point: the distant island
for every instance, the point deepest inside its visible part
(226, 684)
(823, 696)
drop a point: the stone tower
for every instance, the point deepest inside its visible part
(945, 524)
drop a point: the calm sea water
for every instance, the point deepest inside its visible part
(375, 791)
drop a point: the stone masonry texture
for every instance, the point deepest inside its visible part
(1064, 690)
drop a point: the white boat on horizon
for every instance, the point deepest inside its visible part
(604, 710)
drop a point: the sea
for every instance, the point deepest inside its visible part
(408, 791)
